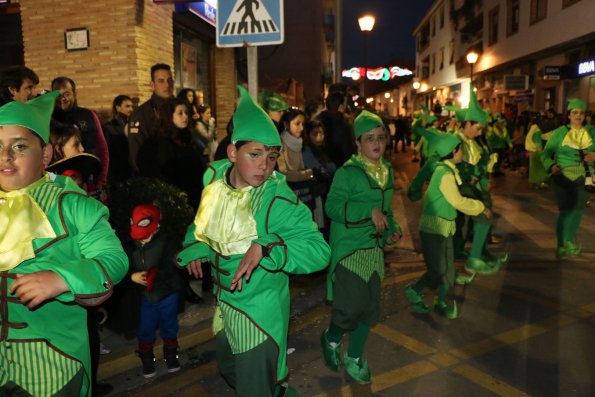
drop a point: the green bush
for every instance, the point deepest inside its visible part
(176, 214)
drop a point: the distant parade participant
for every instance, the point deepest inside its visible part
(359, 206)
(437, 227)
(563, 157)
(58, 255)
(498, 141)
(538, 176)
(255, 232)
(473, 171)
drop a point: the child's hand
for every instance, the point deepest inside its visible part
(35, 288)
(488, 213)
(379, 220)
(556, 169)
(139, 278)
(393, 238)
(251, 259)
(195, 268)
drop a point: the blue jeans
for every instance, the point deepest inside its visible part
(163, 314)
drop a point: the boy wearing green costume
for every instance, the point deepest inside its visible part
(253, 230)
(58, 253)
(563, 158)
(437, 226)
(359, 205)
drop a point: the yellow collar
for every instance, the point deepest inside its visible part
(378, 172)
(577, 139)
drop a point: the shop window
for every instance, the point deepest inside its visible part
(549, 98)
(493, 25)
(538, 10)
(568, 3)
(513, 11)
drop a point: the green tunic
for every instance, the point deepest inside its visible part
(349, 204)
(284, 225)
(555, 152)
(42, 349)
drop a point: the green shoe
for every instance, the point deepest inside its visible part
(464, 279)
(331, 355)
(562, 253)
(477, 265)
(357, 369)
(572, 248)
(444, 310)
(416, 300)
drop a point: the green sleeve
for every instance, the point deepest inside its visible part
(192, 249)
(103, 262)
(549, 151)
(415, 189)
(293, 241)
(337, 205)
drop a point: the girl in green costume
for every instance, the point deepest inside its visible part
(562, 158)
(254, 231)
(538, 177)
(437, 226)
(359, 206)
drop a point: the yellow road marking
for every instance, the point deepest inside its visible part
(308, 319)
(193, 391)
(488, 382)
(384, 381)
(403, 340)
(182, 380)
(391, 280)
(444, 360)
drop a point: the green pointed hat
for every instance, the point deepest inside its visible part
(576, 103)
(251, 123)
(428, 118)
(272, 102)
(459, 113)
(365, 122)
(442, 143)
(34, 114)
(475, 112)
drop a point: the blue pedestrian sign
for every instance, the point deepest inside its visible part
(249, 22)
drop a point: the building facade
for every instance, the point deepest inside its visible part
(533, 54)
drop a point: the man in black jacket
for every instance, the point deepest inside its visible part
(117, 143)
(339, 140)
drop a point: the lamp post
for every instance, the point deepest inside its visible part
(472, 58)
(366, 24)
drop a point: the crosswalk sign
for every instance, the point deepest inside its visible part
(249, 22)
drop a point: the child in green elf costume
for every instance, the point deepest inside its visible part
(563, 158)
(359, 206)
(58, 253)
(437, 226)
(254, 231)
(473, 172)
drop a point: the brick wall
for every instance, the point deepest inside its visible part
(225, 86)
(126, 38)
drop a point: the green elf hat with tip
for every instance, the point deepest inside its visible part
(475, 112)
(34, 114)
(442, 143)
(576, 103)
(428, 118)
(366, 122)
(251, 123)
(272, 102)
(459, 113)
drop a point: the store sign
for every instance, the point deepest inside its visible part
(249, 22)
(552, 73)
(206, 10)
(383, 74)
(586, 68)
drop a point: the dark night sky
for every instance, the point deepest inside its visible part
(391, 37)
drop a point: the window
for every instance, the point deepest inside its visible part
(442, 17)
(538, 10)
(433, 26)
(442, 58)
(568, 3)
(512, 17)
(493, 26)
(451, 51)
(433, 63)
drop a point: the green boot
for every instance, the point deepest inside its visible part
(331, 354)
(357, 369)
(464, 279)
(572, 248)
(416, 300)
(561, 253)
(442, 308)
(477, 265)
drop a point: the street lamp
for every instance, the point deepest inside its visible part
(366, 24)
(472, 58)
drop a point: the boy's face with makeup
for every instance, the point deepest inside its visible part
(253, 163)
(22, 157)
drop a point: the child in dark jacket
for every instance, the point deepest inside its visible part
(151, 256)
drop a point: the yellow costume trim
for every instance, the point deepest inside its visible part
(224, 219)
(21, 221)
(577, 139)
(492, 160)
(472, 150)
(378, 172)
(454, 169)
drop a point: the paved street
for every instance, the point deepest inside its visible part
(526, 331)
